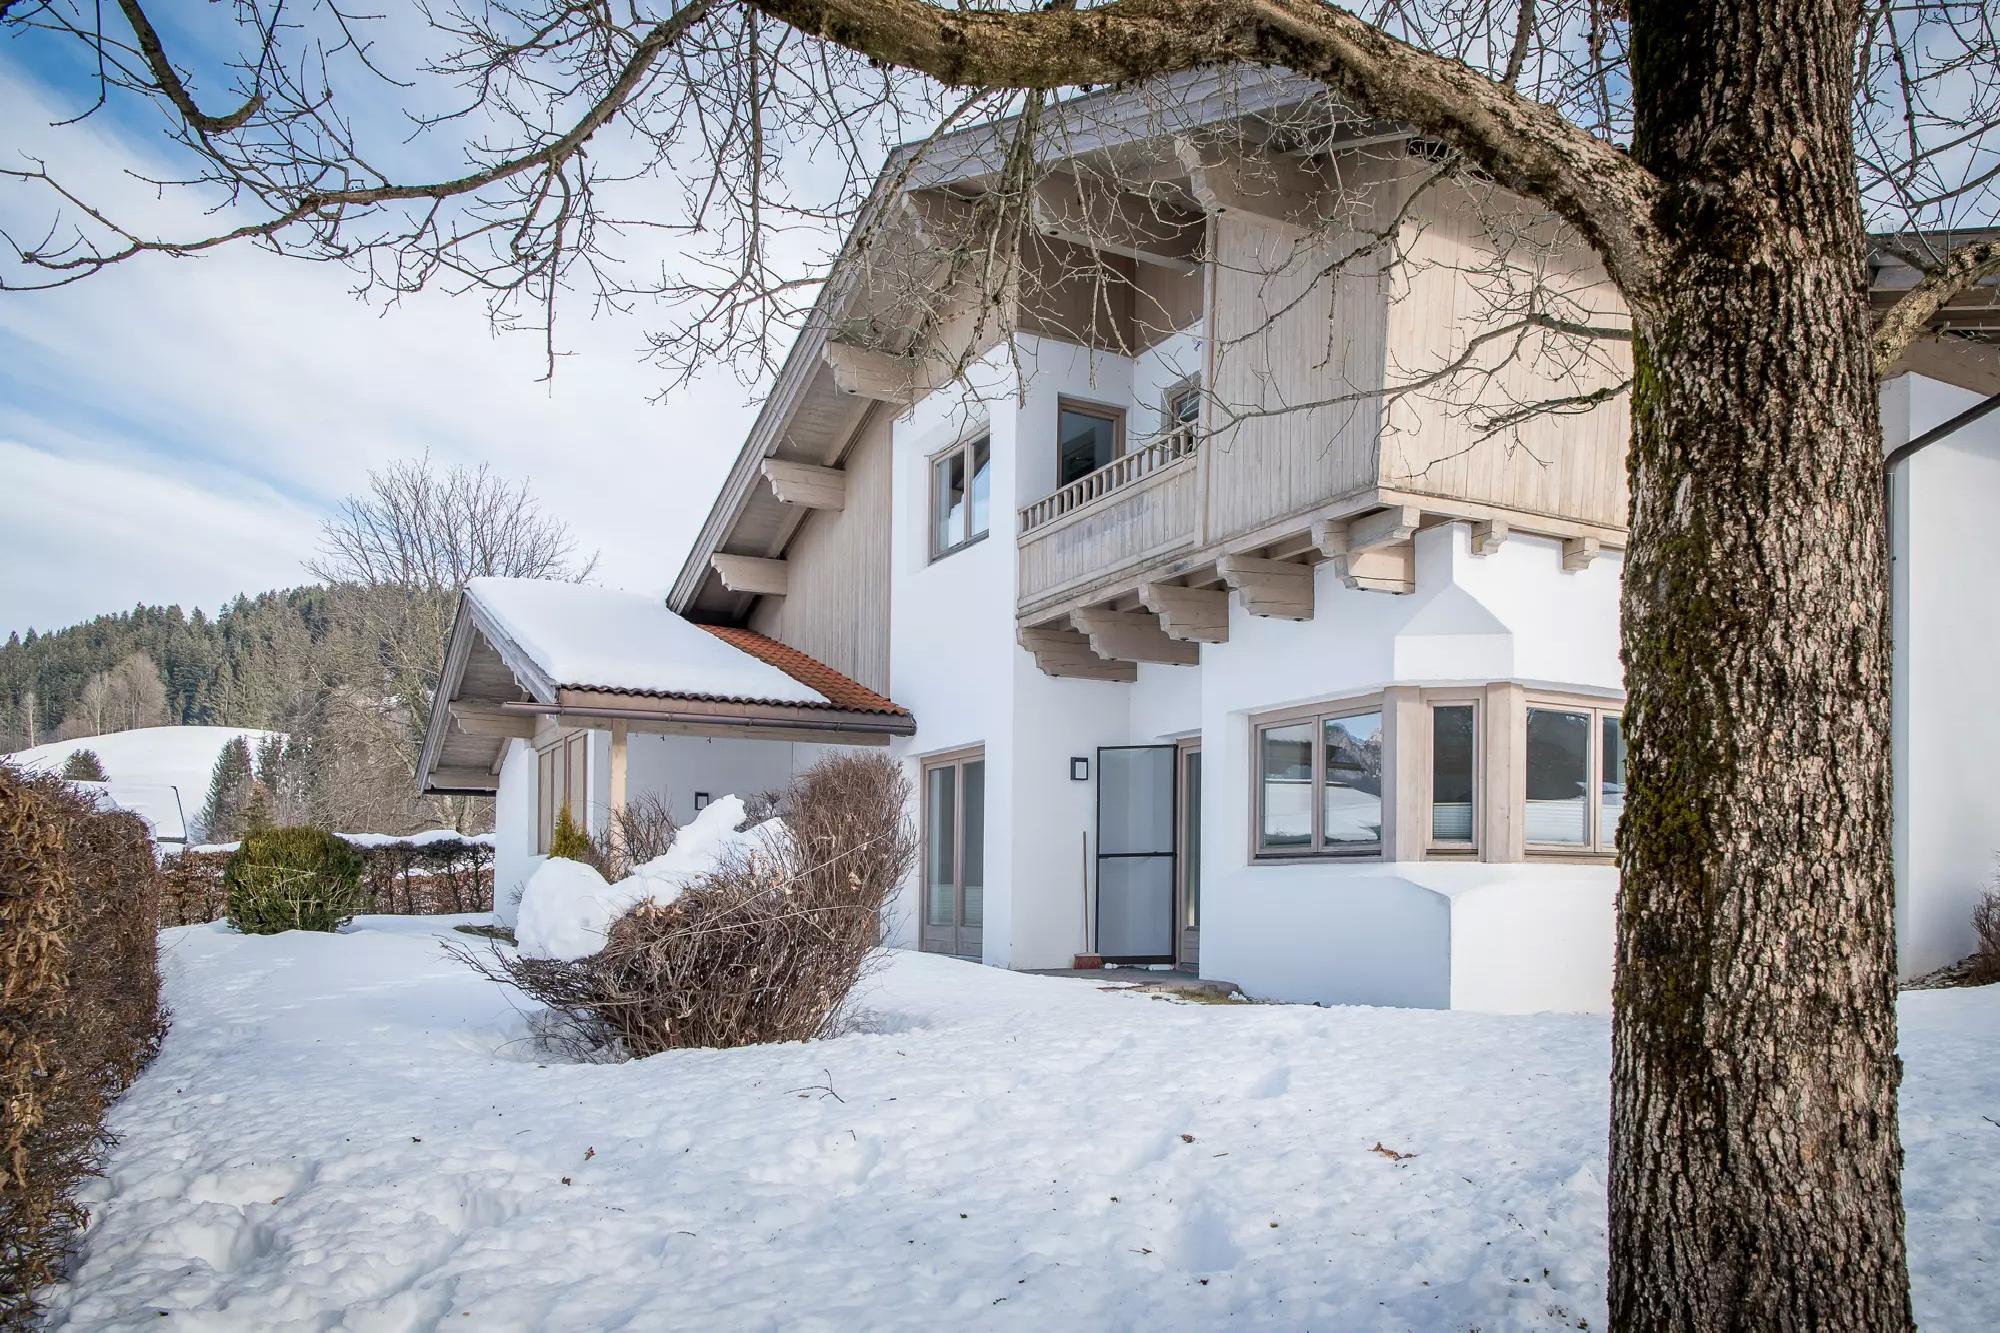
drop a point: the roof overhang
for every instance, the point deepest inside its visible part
(492, 691)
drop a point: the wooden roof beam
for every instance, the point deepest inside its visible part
(1064, 652)
(1117, 222)
(805, 485)
(867, 373)
(1192, 615)
(752, 574)
(490, 720)
(1132, 636)
(1279, 588)
(1229, 177)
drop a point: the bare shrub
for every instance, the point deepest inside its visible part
(1984, 965)
(766, 948)
(642, 831)
(79, 1009)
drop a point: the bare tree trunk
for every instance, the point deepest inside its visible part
(1755, 1165)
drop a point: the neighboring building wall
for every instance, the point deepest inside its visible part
(1947, 656)
(676, 767)
(838, 566)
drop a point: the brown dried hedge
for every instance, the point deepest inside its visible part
(402, 878)
(79, 1009)
(766, 948)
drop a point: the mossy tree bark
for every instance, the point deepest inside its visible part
(1755, 1165)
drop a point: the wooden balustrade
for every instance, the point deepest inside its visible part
(1119, 473)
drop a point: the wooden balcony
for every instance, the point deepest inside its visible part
(1139, 507)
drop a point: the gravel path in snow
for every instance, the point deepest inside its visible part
(353, 1132)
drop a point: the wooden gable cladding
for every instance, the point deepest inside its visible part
(1476, 268)
(836, 607)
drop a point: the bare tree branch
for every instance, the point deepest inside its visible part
(1910, 318)
(1526, 146)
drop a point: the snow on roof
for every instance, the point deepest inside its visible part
(605, 639)
(182, 757)
(154, 802)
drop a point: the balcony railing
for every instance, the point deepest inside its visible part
(1125, 470)
(1140, 509)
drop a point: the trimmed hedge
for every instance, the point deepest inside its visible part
(403, 878)
(79, 1009)
(292, 879)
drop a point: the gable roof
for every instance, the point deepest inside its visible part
(816, 675)
(580, 638)
(524, 652)
(802, 416)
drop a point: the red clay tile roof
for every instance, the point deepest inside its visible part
(808, 671)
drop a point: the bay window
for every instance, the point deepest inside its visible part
(1319, 789)
(1575, 764)
(1454, 776)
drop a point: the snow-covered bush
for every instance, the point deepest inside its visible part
(79, 1010)
(293, 879)
(642, 831)
(765, 944)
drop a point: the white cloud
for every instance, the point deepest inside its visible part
(246, 386)
(131, 535)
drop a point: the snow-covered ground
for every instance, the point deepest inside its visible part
(353, 1132)
(179, 757)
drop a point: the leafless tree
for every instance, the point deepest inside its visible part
(128, 695)
(422, 528)
(1723, 162)
(399, 556)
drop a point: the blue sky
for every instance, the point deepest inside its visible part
(175, 430)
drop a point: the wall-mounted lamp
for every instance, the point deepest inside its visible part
(700, 801)
(1079, 769)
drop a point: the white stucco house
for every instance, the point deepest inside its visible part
(1207, 641)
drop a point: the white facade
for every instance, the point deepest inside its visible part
(1946, 628)
(1520, 935)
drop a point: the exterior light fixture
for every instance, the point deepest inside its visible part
(1079, 769)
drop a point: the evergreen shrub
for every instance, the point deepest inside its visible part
(293, 879)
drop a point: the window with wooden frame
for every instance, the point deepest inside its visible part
(1088, 437)
(1183, 409)
(961, 482)
(1454, 776)
(1575, 767)
(1319, 781)
(562, 770)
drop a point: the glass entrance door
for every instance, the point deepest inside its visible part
(1190, 857)
(1136, 921)
(954, 904)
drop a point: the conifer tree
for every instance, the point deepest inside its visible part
(84, 766)
(230, 787)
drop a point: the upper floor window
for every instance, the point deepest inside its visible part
(961, 495)
(1320, 784)
(1184, 407)
(1087, 438)
(1575, 777)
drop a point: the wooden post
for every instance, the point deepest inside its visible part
(614, 815)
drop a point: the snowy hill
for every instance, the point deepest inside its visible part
(148, 758)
